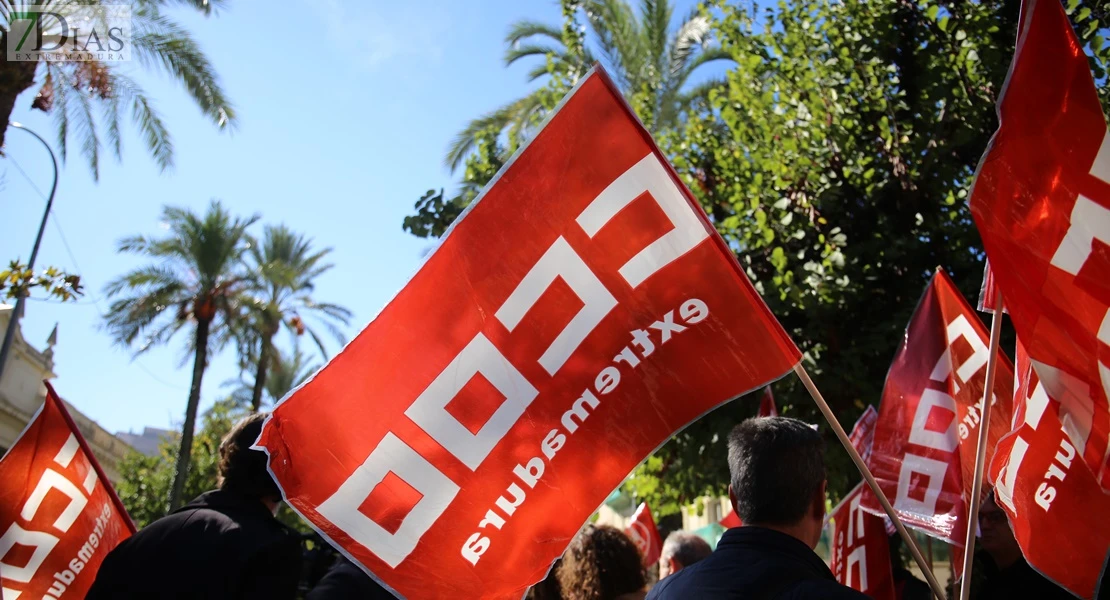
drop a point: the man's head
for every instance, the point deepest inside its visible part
(996, 536)
(243, 470)
(778, 476)
(681, 550)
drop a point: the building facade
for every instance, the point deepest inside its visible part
(22, 393)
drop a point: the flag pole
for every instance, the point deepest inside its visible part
(870, 479)
(981, 447)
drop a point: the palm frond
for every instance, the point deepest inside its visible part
(523, 29)
(691, 37)
(86, 128)
(151, 127)
(162, 42)
(498, 120)
(619, 38)
(702, 58)
(656, 17)
(698, 92)
(62, 88)
(111, 116)
(518, 52)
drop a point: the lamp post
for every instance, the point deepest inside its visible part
(17, 312)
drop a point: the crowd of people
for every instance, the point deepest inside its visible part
(227, 543)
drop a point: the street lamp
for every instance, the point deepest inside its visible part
(13, 321)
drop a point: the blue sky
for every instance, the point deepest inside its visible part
(346, 109)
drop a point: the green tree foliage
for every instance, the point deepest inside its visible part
(835, 159)
(651, 63)
(195, 281)
(76, 91)
(287, 371)
(18, 281)
(837, 163)
(283, 269)
(145, 481)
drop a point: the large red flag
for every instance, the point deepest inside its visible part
(576, 316)
(1056, 508)
(645, 535)
(58, 512)
(1041, 202)
(859, 552)
(925, 438)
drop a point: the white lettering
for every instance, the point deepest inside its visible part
(429, 412)
(560, 261)
(648, 175)
(391, 455)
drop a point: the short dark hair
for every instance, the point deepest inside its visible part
(243, 470)
(601, 563)
(777, 465)
(685, 547)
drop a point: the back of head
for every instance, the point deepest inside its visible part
(243, 470)
(683, 548)
(777, 466)
(600, 564)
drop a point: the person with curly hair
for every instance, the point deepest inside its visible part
(602, 563)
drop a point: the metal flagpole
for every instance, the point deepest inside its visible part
(981, 448)
(870, 479)
(17, 312)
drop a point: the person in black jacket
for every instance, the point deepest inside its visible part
(224, 544)
(1005, 573)
(778, 490)
(346, 581)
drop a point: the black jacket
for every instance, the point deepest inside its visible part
(345, 581)
(221, 545)
(753, 563)
(1018, 580)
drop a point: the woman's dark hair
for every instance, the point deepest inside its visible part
(600, 564)
(243, 470)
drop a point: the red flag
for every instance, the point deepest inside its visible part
(1041, 201)
(767, 406)
(576, 316)
(1056, 508)
(924, 448)
(645, 535)
(859, 550)
(731, 520)
(58, 512)
(863, 432)
(988, 292)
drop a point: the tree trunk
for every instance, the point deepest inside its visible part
(184, 453)
(260, 373)
(15, 78)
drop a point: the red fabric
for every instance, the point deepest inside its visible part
(1041, 202)
(58, 514)
(1056, 508)
(645, 534)
(767, 406)
(485, 515)
(731, 520)
(863, 432)
(859, 554)
(988, 292)
(927, 431)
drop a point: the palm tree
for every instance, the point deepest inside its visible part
(75, 90)
(195, 281)
(284, 268)
(638, 52)
(287, 371)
